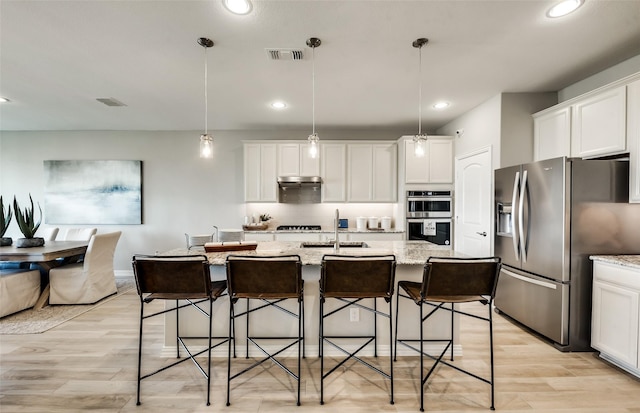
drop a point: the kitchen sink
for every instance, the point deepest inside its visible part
(329, 244)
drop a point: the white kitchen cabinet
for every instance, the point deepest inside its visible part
(599, 124)
(436, 166)
(298, 236)
(260, 172)
(259, 236)
(294, 160)
(375, 236)
(552, 134)
(615, 318)
(333, 171)
(372, 172)
(633, 139)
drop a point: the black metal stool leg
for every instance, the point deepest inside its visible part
(395, 340)
(209, 353)
(391, 347)
(231, 331)
(140, 351)
(300, 335)
(321, 338)
(375, 327)
(247, 342)
(421, 362)
(452, 330)
(177, 329)
(491, 354)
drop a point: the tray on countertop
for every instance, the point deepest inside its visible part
(255, 227)
(230, 246)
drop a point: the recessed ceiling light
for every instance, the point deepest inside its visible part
(564, 7)
(238, 6)
(278, 105)
(441, 105)
(4, 100)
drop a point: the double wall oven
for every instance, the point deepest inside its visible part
(429, 216)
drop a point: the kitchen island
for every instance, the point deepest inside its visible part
(410, 258)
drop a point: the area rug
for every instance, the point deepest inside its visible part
(38, 321)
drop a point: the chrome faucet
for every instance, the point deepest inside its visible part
(336, 245)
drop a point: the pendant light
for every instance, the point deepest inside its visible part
(420, 140)
(206, 140)
(313, 139)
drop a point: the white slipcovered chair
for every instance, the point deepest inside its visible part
(49, 234)
(88, 281)
(19, 290)
(77, 234)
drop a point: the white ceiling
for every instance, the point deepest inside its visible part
(57, 57)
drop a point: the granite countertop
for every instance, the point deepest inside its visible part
(406, 252)
(341, 230)
(624, 260)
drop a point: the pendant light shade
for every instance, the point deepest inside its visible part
(313, 139)
(206, 140)
(419, 140)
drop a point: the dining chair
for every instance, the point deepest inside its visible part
(448, 282)
(19, 290)
(186, 281)
(77, 234)
(49, 233)
(355, 282)
(88, 281)
(197, 241)
(267, 281)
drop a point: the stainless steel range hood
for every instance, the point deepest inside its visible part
(299, 189)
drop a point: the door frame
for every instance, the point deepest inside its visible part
(480, 151)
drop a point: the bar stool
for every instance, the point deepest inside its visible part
(350, 280)
(451, 281)
(179, 278)
(269, 280)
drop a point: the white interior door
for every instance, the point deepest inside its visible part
(473, 203)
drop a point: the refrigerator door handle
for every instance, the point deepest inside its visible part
(530, 280)
(523, 191)
(514, 234)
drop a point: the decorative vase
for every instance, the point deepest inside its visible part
(29, 242)
(5, 241)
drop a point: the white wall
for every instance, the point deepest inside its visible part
(181, 192)
(619, 71)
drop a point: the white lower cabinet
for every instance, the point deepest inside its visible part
(375, 236)
(633, 139)
(298, 236)
(259, 236)
(615, 318)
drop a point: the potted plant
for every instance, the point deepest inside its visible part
(28, 226)
(5, 220)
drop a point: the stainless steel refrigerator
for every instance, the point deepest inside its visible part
(550, 217)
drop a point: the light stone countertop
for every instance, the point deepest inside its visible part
(326, 231)
(406, 252)
(632, 261)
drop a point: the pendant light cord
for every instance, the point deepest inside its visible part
(313, 89)
(420, 90)
(206, 100)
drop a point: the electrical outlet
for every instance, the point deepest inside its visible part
(354, 314)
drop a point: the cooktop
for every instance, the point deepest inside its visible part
(298, 228)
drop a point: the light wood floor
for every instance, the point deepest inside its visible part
(89, 363)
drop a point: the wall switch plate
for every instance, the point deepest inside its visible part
(354, 314)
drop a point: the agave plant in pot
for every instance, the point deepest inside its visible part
(28, 225)
(5, 220)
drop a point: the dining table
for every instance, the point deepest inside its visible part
(51, 254)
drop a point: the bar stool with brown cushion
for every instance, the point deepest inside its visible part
(451, 281)
(187, 280)
(350, 280)
(269, 280)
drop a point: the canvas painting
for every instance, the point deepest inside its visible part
(93, 192)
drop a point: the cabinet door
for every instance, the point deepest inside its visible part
(552, 134)
(614, 324)
(416, 168)
(308, 166)
(599, 125)
(359, 173)
(385, 173)
(251, 172)
(633, 139)
(333, 171)
(268, 173)
(288, 159)
(440, 161)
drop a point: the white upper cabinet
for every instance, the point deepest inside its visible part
(294, 160)
(372, 172)
(260, 175)
(599, 124)
(333, 171)
(552, 134)
(436, 166)
(633, 139)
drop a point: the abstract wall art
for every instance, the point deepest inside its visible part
(93, 192)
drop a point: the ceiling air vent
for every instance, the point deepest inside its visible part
(110, 101)
(285, 54)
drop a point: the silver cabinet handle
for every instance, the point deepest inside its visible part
(483, 233)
